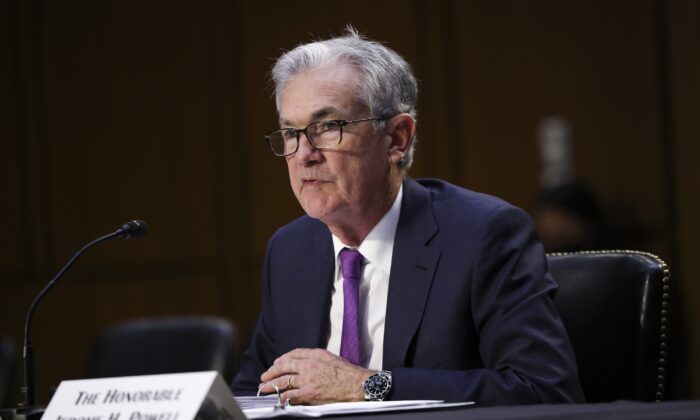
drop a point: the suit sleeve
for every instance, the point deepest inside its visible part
(526, 354)
(259, 355)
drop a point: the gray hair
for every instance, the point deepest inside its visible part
(388, 84)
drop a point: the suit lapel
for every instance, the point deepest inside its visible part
(316, 296)
(412, 269)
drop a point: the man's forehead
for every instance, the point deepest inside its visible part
(320, 114)
(326, 92)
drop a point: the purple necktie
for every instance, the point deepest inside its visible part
(351, 264)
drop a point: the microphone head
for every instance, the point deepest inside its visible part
(132, 229)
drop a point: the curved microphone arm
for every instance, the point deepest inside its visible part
(52, 283)
(129, 230)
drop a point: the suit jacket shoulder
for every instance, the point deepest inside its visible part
(469, 313)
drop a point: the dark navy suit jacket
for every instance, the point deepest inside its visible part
(469, 313)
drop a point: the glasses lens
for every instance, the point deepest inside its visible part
(283, 142)
(325, 134)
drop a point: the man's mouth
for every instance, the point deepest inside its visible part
(313, 181)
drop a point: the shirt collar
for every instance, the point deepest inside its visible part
(378, 246)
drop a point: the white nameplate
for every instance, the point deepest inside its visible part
(179, 396)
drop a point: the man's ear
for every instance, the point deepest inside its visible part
(401, 128)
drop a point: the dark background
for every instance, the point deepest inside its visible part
(111, 111)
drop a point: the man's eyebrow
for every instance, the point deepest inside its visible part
(324, 112)
(316, 116)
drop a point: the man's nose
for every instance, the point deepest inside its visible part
(306, 152)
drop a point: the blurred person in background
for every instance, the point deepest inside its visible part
(568, 218)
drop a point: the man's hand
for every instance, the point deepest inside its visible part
(315, 376)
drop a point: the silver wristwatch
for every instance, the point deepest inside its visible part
(377, 386)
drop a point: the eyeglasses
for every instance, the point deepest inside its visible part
(321, 135)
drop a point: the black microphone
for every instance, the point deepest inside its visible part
(132, 229)
(129, 230)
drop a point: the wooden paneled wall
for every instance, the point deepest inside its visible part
(111, 111)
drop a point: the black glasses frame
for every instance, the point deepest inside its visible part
(298, 132)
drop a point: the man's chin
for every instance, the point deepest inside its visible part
(324, 211)
(314, 208)
(315, 214)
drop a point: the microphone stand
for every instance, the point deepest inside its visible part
(27, 407)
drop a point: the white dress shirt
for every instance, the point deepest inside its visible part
(377, 248)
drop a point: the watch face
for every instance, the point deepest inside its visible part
(377, 386)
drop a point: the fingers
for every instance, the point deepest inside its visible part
(314, 376)
(282, 383)
(281, 368)
(264, 388)
(294, 396)
(297, 361)
(302, 392)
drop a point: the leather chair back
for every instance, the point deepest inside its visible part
(165, 345)
(614, 305)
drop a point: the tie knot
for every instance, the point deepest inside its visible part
(351, 263)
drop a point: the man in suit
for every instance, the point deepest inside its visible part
(391, 288)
